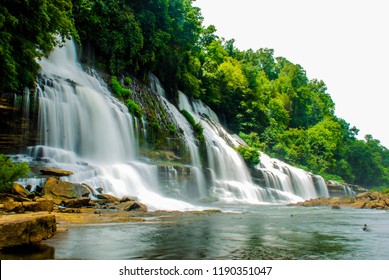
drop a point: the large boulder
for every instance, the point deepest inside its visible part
(26, 229)
(132, 206)
(107, 198)
(18, 189)
(76, 202)
(61, 190)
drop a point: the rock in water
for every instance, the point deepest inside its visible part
(26, 229)
(61, 190)
(56, 172)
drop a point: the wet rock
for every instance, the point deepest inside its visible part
(358, 204)
(55, 172)
(76, 202)
(109, 198)
(132, 206)
(363, 195)
(128, 198)
(18, 189)
(12, 206)
(60, 190)
(69, 210)
(26, 229)
(38, 206)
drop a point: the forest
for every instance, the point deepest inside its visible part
(269, 101)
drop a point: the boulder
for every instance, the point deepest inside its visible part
(363, 195)
(76, 202)
(60, 190)
(38, 206)
(358, 204)
(26, 229)
(18, 189)
(132, 206)
(55, 172)
(12, 206)
(108, 198)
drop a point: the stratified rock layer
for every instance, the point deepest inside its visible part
(26, 229)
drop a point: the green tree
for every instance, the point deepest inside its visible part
(30, 30)
(10, 172)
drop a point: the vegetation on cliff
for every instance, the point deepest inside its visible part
(268, 100)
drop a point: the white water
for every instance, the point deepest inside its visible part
(196, 187)
(88, 131)
(231, 181)
(284, 177)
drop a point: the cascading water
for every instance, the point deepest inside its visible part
(196, 187)
(230, 178)
(86, 130)
(284, 177)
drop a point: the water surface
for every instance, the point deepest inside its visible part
(261, 232)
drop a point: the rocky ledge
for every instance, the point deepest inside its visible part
(26, 229)
(366, 200)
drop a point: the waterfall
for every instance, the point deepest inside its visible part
(196, 187)
(282, 176)
(86, 130)
(231, 181)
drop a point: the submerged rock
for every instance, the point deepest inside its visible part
(26, 229)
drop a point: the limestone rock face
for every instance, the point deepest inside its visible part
(26, 229)
(61, 190)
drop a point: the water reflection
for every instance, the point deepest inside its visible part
(28, 252)
(261, 233)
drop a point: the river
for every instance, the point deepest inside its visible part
(261, 232)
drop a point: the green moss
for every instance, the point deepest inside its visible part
(118, 89)
(134, 108)
(197, 127)
(172, 129)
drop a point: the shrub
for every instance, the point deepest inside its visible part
(197, 127)
(118, 89)
(10, 172)
(134, 108)
(250, 155)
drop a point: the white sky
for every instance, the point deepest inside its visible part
(345, 43)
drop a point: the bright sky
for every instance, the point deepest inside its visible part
(345, 43)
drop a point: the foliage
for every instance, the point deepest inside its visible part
(268, 99)
(118, 89)
(197, 127)
(134, 108)
(10, 172)
(30, 30)
(250, 155)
